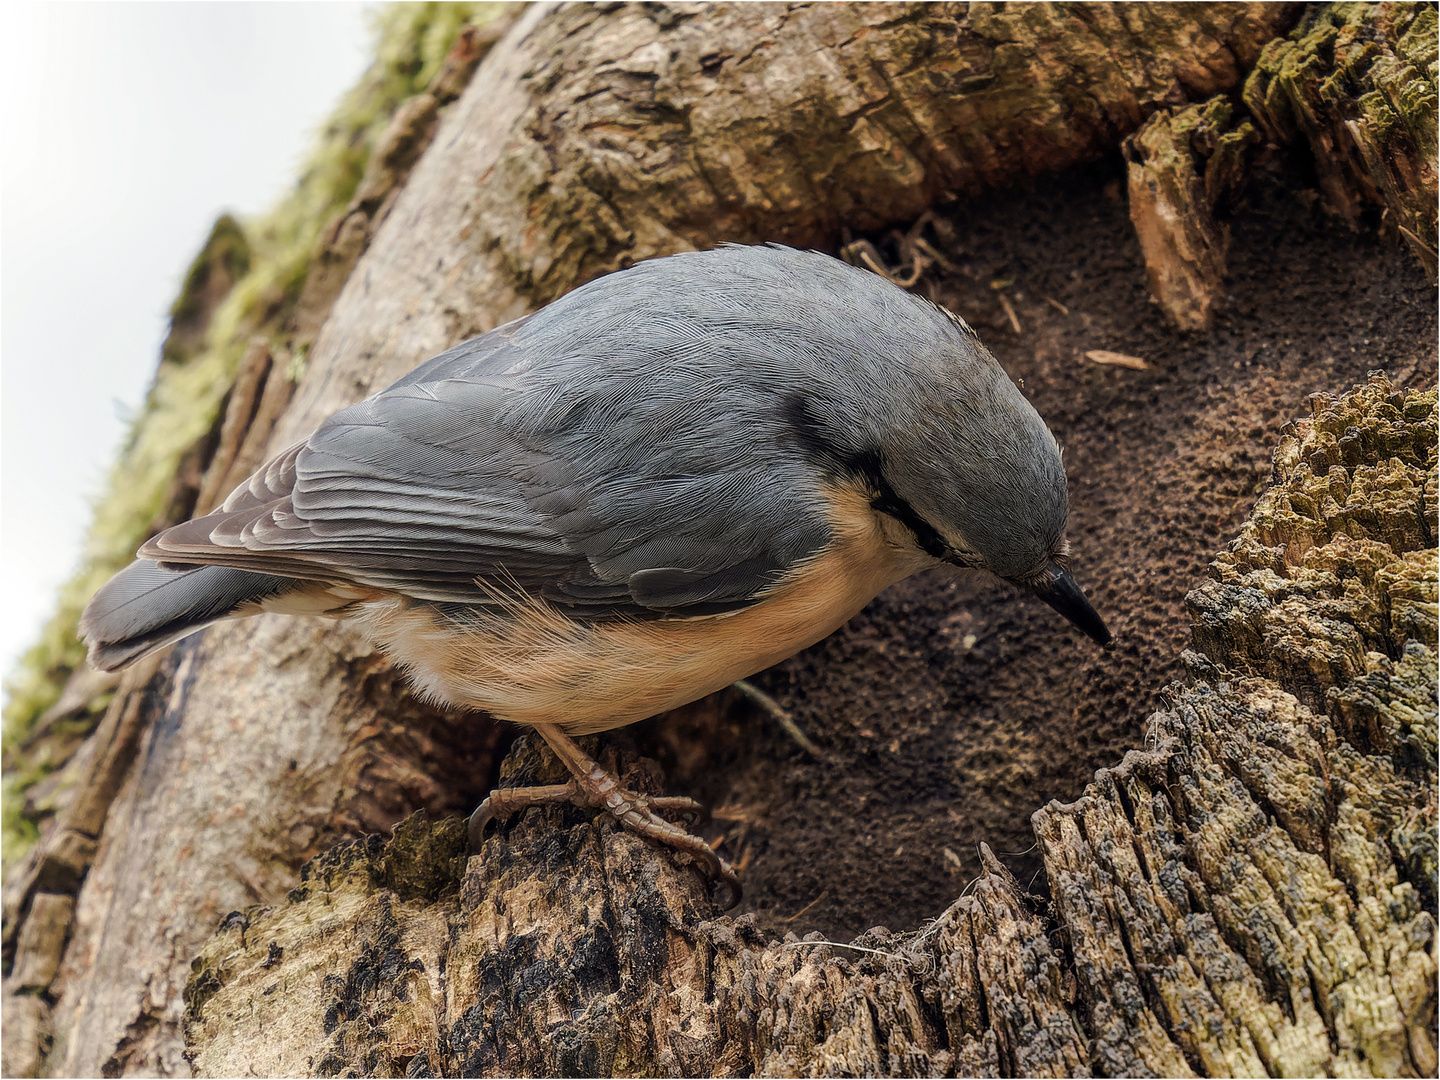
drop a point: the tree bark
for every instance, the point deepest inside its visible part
(1354, 87)
(1359, 88)
(591, 137)
(1245, 896)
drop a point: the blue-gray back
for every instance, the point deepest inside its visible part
(659, 440)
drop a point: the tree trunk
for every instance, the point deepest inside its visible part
(1253, 890)
(1246, 896)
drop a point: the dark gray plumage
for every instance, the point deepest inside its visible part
(662, 441)
(145, 607)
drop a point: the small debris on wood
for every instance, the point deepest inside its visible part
(915, 253)
(779, 715)
(1115, 359)
(731, 812)
(1010, 313)
(1416, 240)
(807, 907)
(815, 940)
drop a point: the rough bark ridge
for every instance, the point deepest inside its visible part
(666, 128)
(1252, 894)
(576, 148)
(604, 135)
(1357, 84)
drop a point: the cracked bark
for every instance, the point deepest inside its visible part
(1247, 896)
(1356, 85)
(589, 138)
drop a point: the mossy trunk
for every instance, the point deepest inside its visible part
(1251, 890)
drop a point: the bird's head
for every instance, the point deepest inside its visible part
(989, 484)
(950, 447)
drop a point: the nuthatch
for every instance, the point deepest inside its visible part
(667, 480)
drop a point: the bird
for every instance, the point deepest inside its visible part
(666, 480)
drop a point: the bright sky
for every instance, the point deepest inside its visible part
(125, 130)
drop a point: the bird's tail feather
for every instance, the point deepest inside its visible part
(145, 607)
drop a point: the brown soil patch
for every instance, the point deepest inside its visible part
(951, 709)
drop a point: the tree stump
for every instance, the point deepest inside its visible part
(1252, 889)
(1246, 895)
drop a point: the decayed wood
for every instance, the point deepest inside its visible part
(591, 137)
(1244, 897)
(1181, 163)
(1359, 85)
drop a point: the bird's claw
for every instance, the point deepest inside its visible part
(598, 788)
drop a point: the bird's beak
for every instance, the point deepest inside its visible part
(1058, 589)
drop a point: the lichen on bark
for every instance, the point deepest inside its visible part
(1358, 83)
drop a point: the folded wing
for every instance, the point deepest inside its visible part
(474, 477)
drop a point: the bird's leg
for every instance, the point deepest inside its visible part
(636, 811)
(502, 802)
(599, 787)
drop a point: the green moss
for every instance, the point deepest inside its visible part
(223, 260)
(424, 857)
(1344, 51)
(1418, 44)
(270, 257)
(1357, 82)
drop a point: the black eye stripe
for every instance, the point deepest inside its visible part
(888, 501)
(868, 467)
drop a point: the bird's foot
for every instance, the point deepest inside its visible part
(502, 802)
(598, 787)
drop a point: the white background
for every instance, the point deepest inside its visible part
(125, 130)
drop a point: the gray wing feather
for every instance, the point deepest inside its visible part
(145, 606)
(628, 482)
